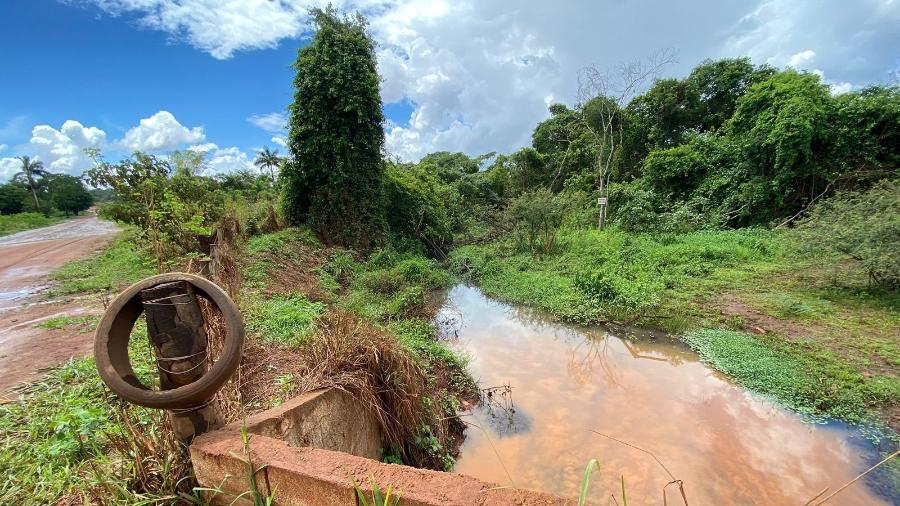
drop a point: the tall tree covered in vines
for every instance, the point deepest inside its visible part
(333, 181)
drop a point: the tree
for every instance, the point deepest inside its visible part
(269, 160)
(68, 194)
(333, 180)
(12, 199)
(31, 169)
(603, 96)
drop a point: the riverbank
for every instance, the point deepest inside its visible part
(828, 342)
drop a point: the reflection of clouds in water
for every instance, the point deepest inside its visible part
(729, 447)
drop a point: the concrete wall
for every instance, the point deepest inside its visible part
(311, 447)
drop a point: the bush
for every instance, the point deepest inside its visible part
(864, 226)
(417, 206)
(535, 218)
(12, 199)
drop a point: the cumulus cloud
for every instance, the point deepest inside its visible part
(160, 132)
(479, 74)
(8, 167)
(63, 150)
(223, 160)
(274, 122)
(219, 28)
(800, 59)
(280, 140)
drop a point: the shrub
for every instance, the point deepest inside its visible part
(864, 226)
(12, 199)
(535, 218)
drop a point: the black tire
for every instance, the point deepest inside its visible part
(114, 331)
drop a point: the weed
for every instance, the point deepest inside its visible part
(283, 319)
(388, 498)
(89, 322)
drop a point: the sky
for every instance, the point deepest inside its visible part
(473, 76)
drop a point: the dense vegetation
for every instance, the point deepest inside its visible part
(36, 197)
(734, 192)
(333, 179)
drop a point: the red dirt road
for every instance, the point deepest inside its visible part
(26, 259)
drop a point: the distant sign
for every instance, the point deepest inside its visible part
(601, 201)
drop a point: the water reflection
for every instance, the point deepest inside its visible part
(729, 446)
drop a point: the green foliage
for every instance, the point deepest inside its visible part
(334, 179)
(600, 275)
(25, 221)
(68, 194)
(12, 199)
(418, 206)
(535, 218)
(283, 319)
(172, 207)
(799, 374)
(864, 226)
(88, 322)
(387, 498)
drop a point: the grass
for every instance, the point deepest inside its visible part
(121, 264)
(308, 296)
(88, 322)
(69, 437)
(284, 319)
(12, 223)
(600, 275)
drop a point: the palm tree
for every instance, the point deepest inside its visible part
(268, 159)
(31, 169)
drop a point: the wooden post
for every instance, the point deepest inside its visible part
(175, 329)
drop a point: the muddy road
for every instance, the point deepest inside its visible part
(26, 259)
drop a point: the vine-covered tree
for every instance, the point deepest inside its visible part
(333, 180)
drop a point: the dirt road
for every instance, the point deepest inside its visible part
(26, 258)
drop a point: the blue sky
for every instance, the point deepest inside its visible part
(471, 76)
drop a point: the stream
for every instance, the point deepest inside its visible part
(554, 392)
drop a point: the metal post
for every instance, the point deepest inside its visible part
(175, 329)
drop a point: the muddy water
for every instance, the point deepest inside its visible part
(727, 445)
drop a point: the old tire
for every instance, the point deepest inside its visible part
(114, 332)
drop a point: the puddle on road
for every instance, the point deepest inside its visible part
(728, 445)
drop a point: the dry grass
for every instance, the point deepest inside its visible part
(370, 364)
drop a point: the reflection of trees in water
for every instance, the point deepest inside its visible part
(585, 355)
(593, 350)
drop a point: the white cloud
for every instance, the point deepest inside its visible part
(274, 122)
(160, 132)
(800, 59)
(8, 167)
(479, 73)
(280, 140)
(229, 160)
(222, 160)
(3, 147)
(217, 27)
(63, 150)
